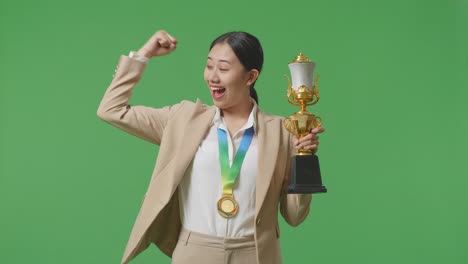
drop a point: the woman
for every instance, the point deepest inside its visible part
(198, 207)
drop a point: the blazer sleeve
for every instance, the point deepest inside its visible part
(293, 207)
(144, 122)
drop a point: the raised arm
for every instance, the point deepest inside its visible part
(144, 122)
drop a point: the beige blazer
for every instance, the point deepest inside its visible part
(179, 130)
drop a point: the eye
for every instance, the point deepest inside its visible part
(209, 67)
(223, 70)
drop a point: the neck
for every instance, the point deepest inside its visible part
(240, 111)
(236, 116)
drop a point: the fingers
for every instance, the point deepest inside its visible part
(317, 130)
(308, 138)
(306, 144)
(309, 141)
(165, 40)
(173, 40)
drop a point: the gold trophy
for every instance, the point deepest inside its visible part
(305, 169)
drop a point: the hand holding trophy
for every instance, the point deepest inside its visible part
(305, 169)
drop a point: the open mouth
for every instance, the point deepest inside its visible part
(217, 92)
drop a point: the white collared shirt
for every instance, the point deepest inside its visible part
(201, 187)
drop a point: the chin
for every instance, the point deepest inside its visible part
(219, 104)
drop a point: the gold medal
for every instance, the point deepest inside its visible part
(227, 206)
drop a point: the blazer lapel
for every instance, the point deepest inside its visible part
(196, 129)
(268, 147)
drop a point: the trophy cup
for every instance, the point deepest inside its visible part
(305, 169)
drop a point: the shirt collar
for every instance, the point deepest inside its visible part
(251, 122)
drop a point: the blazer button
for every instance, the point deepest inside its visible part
(258, 221)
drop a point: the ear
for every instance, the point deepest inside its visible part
(252, 76)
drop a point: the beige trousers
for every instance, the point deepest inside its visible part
(193, 248)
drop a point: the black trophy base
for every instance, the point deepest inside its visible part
(305, 175)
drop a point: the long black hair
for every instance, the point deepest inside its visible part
(247, 49)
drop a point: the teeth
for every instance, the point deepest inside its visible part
(216, 88)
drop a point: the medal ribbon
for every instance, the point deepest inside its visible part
(229, 173)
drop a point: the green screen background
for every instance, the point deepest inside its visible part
(393, 98)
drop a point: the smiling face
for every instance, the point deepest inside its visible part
(227, 78)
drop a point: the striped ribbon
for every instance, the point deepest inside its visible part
(229, 173)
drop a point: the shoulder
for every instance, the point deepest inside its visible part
(275, 122)
(198, 105)
(267, 117)
(187, 108)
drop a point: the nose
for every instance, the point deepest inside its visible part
(213, 76)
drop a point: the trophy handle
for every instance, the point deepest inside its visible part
(288, 124)
(317, 121)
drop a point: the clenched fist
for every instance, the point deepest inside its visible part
(160, 44)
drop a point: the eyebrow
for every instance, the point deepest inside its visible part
(220, 60)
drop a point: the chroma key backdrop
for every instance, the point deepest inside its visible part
(394, 102)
